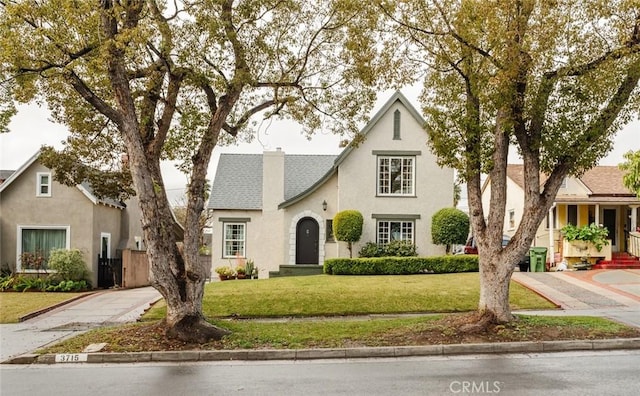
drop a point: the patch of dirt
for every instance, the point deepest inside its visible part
(447, 330)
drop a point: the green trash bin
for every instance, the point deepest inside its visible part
(538, 259)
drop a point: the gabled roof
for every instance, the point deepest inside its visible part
(396, 97)
(85, 188)
(600, 181)
(5, 174)
(238, 181)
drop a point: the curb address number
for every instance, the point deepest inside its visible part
(71, 357)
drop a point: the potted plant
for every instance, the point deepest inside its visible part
(225, 273)
(241, 272)
(251, 270)
(592, 233)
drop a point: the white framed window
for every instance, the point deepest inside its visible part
(512, 219)
(105, 245)
(394, 230)
(43, 184)
(396, 175)
(234, 240)
(35, 244)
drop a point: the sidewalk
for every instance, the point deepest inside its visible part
(100, 309)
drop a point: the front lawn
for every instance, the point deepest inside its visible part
(14, 305)
(279, 309)
(327, 295)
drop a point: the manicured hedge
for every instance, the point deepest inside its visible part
(401, 265)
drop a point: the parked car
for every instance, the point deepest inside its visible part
(471, 248)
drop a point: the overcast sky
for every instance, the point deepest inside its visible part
(31, 128)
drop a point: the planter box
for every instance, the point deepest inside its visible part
(578, 249)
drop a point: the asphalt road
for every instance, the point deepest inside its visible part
(567, 373)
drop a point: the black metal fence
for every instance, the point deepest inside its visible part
(109, 272)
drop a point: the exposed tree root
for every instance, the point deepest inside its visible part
(195, 329)
(479, 322)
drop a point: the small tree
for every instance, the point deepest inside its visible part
(449, 226)
(631, 166)
(347, 227)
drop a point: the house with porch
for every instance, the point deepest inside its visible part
(277, 209)
(38, 214)
(599, 196)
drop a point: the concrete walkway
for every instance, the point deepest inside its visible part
(613, 294)
(99, 309)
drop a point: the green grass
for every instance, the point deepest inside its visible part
(298, 334)
(325, 295)
(15, 305)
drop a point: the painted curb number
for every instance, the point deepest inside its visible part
(71, 357)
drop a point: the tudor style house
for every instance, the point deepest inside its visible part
(38, 214)
(599, 196)
(277, 209)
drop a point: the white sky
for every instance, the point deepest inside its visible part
(31, 128)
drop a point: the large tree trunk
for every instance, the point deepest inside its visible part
(180, 282)
(495, 276)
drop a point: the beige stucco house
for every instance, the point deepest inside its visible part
(38, 214)
(599, 196)
(277, 209)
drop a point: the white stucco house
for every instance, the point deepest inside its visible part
(598, 196)
(277, 209)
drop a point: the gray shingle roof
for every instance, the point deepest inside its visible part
(4, 174)
(238, 180)
(302, 171)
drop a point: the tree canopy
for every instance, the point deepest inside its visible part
(555, 79)
(631, 166)
(138, 81)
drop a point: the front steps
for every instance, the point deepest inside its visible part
(619, 261)
(297, 270)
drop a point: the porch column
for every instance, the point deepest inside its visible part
(597, 213)
(552, 241)
(634, 217)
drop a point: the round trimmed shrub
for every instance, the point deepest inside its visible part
(449, 226)
(347, 227)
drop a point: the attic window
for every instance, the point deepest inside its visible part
(43, 182)
(396, 125)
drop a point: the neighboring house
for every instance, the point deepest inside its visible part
(599, 196)
(38, 214)
(277, 209)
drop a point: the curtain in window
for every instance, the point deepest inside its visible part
(41, 242)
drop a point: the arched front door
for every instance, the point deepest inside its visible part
(307, 239)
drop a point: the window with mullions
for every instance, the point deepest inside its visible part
(234, 240)
(390, 230)
(396, 175)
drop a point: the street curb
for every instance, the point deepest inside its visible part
(341, 353)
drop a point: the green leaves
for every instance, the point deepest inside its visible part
(631, 166)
